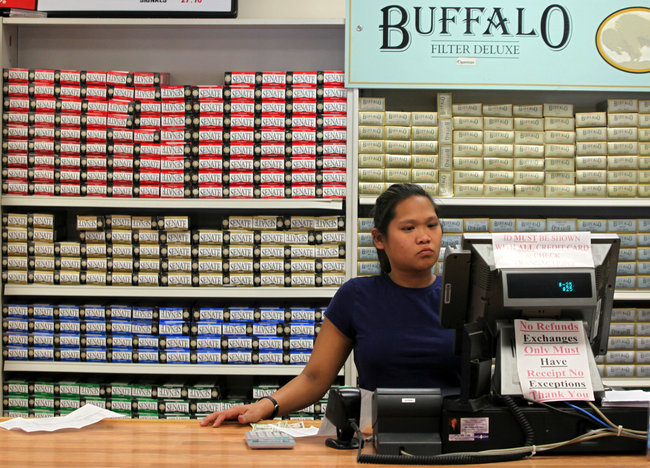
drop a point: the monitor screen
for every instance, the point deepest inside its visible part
(549, 285)
(475, 290)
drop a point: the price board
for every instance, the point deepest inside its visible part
(24, 4)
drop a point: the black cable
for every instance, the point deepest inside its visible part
(445, 459)
(565, 412)
(521, 419)
(587, 413)
(451, 458)
(359, 435)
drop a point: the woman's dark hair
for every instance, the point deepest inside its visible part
(384, 211)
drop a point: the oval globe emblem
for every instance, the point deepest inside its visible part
(623, 40)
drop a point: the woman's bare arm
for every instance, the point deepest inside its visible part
(331, 349)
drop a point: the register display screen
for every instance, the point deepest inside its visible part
(549, 285)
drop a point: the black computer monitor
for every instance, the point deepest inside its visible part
(479, 300)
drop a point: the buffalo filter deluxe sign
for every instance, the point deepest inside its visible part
(509, 44)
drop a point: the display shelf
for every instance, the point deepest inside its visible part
(151, 369)
(168, 292)
(172, 203)
(630, 382)
(533, 202)
(177, 22)
(632, 295)
(184, 48)
(268, 35)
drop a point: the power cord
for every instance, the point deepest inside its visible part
(577, 408)
(514, 453)
(584, 414)
(358, 435)
(566, 412)
(614, 426)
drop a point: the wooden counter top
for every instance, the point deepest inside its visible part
(163, 443)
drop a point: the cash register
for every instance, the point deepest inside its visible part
(481, 301)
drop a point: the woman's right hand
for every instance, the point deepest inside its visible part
(245, 414)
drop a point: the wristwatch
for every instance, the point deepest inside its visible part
(276, 407)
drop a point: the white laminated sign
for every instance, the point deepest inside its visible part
(552, 360)
(542, 250)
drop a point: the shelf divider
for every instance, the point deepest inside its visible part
(177, 22)
(166, 292)
(151, 369)
(532, 202)
(172, 203)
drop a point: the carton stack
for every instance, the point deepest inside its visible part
(467, 150)
(559, 150)
(125, 250)
(396, 147)
(445, 141)
(141, 398)
(61, 127)
(367, 259)
(591, 154)
(528, 151)
(29, 249)
(499, 150)
(166, 335)
(644, 148)
(284, 135)
(125, 134)
(622, 147)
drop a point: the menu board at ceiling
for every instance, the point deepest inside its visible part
(505, 44)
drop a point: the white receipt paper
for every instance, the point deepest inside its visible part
(84, 416)
(542, 249)
(295, 431)
(552, 360)
(626, 398)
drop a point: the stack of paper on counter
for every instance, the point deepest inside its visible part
(628, 398)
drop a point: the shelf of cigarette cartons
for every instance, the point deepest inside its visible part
(262, 35)
(506, 206)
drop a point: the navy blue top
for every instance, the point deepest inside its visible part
(396, 332)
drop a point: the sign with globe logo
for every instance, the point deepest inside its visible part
(623, 40)
(554, 45)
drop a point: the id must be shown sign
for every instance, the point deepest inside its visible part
(506, 44)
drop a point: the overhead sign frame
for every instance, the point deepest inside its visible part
(506, 44)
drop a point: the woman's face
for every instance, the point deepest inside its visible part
(413, 238)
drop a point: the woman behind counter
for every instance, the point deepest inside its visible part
(391, 321)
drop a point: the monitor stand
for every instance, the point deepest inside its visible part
(474, 344)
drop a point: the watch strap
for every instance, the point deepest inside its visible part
(276, 407)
